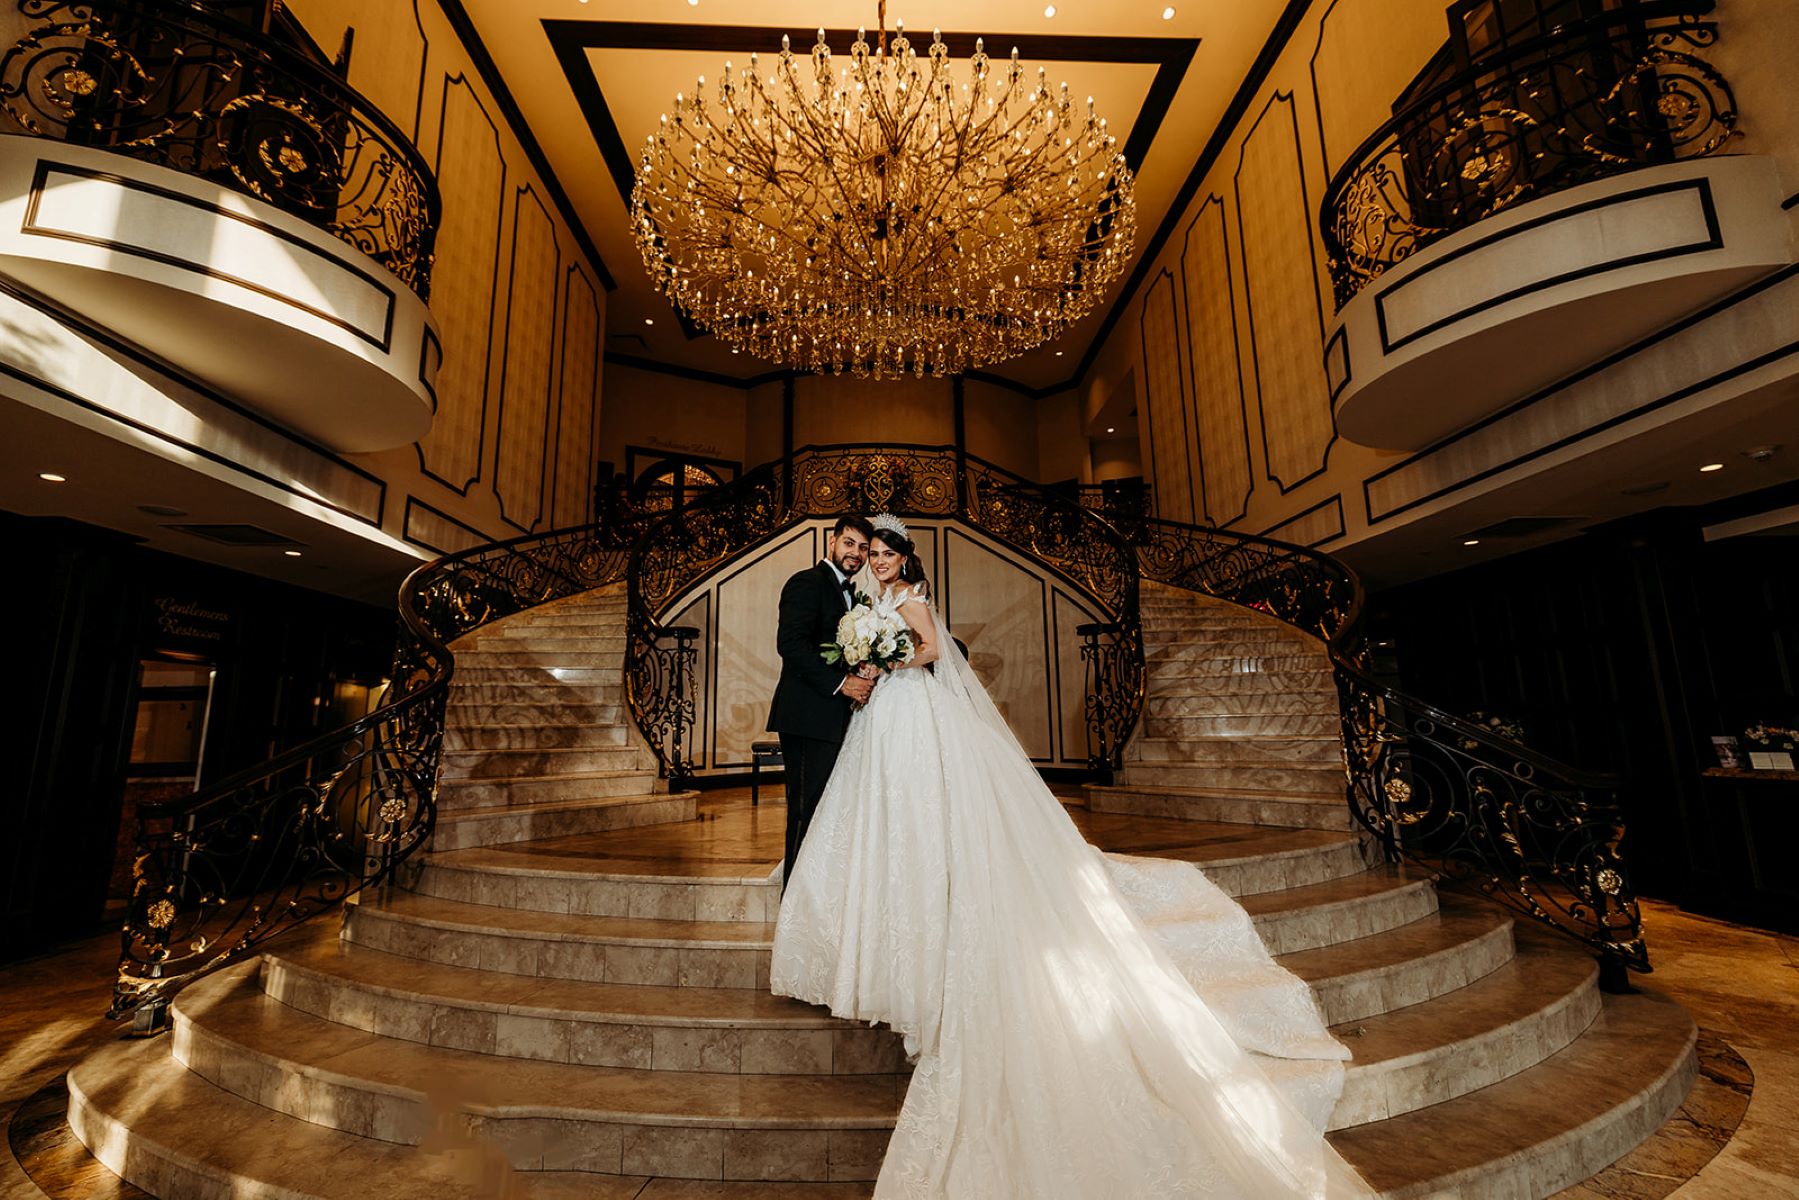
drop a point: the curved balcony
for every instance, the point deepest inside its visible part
(226, 202)
(1533, 213)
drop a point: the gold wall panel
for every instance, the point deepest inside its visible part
(1170, 438)
(1281, 297)
(462, 284)
(529, 346)
(579, 402)
(1219, 420)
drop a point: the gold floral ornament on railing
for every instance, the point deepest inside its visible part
(177, 84)
(886, 216)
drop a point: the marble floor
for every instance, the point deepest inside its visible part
(1742, 986)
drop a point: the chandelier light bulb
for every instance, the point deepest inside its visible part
(872, 216)
(1167, 13)
(1049, 11)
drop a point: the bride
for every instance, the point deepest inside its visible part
(1083, 1025)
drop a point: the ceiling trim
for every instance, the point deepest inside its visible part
(571, 39)
(699, 374)
(485, 66)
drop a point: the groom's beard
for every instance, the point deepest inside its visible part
(849, 564)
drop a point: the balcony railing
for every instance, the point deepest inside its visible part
(1584, 101)
(172, 83)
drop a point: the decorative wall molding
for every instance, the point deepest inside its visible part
(527, 364)
(577, 403)
(1292, 397)
(1321, 523)
(465, 293)
(1221, 412)
(1171, 441)
(436, 530)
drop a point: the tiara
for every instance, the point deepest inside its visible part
(891, 524)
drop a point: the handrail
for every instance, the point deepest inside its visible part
(927, 482)
(1582, 101)
(174, 83)
(1536, 834)
(222, 871)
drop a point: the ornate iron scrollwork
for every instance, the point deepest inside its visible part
(222, 871)
(1538, 835)
(684, 547)
(175, 84)
(1587, 100)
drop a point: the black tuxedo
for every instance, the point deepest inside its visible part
(809, 712)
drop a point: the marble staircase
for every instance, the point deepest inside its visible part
(537, 742)
(585, 1010)
(1240, 720)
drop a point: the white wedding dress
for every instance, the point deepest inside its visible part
(1086, 1026)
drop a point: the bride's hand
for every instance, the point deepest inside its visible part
(868, 671)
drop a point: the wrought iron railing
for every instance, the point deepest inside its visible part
(1586, 100)
(679, 550)
(1538, 835)
(176, 84)
(220, 872)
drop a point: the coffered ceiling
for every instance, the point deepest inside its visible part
(592, 77)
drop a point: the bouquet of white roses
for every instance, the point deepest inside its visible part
(870, 635)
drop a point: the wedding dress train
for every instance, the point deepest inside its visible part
(1085, 1025)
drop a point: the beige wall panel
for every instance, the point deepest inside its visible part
(1170, 438)
(579, 402)
(529, 352)
(666, 412)
(1281, 297)
(1219, 420)
(463, 280)
(1071, 675)
(762, 424)
(831, 409)
(1061, 446)
(998, 609)
(1366, 52)
(747, 663)
(1002, 427)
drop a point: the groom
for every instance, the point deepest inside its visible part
(811, 709)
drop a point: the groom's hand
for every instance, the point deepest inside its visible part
(858, 689)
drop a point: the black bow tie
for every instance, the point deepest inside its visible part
(849, 590)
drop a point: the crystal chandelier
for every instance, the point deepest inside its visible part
(884, 216)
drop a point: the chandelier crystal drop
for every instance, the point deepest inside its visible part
(887, 216)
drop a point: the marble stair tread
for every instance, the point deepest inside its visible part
(469, 737)
(1545, 1128)
(1229, 805)
(1408, 965)
(1295, 796)
(541, 859)
(173, 1134)
(242, 1023)
(539, 762)
(464, 796)
(524, 821)
(433, 912)
(1166, 681)
(378, 973)
(1383, 882)
(1476, 1035)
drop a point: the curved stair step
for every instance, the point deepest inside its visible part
(504, 765)
(459, 829)
(463, 733)
(456, 795)
(1261, 752)
(1503, 1023)
(1340, 910)
(1546, 1128)
(1166, 722)
(681, 1124)
(1242, 806)
(1460, 943)
(730, 1030)
(549, 692)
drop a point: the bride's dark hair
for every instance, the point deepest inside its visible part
(911, 570)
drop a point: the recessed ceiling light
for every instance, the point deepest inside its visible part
(693, 3)
(52, 477)
(1470, 541)
(1058, 354)
(1168, 14)
(1111, 429)
(1709, 467)
(1050, 11)
(291, 553)
(649, 320)
(162, 510)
